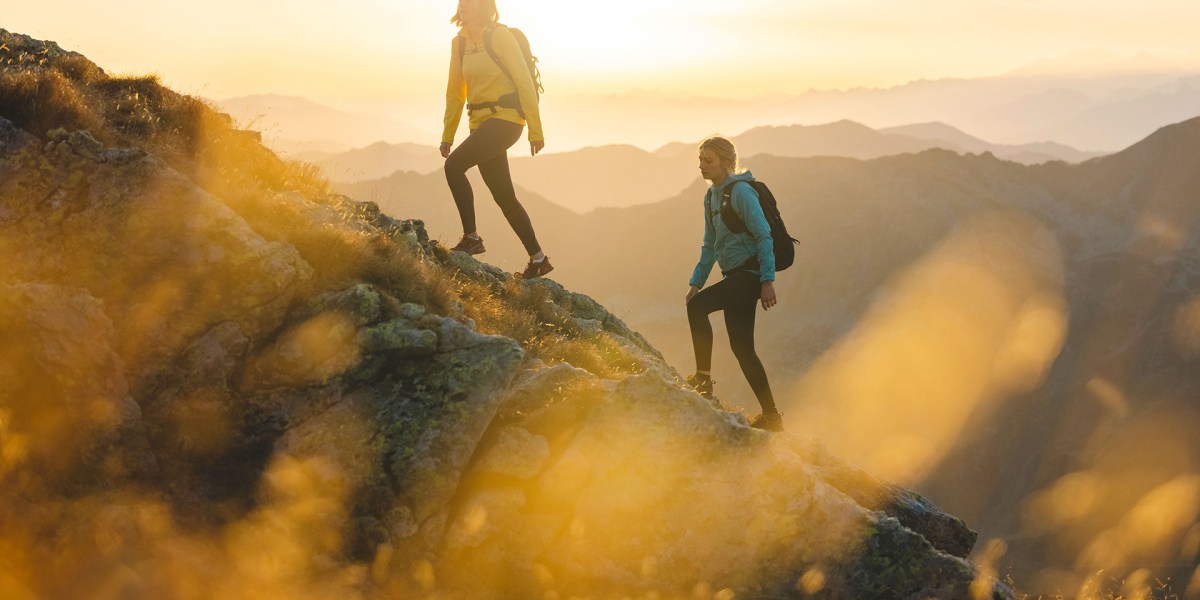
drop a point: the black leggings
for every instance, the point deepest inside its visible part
(488, 147)
(737, 295)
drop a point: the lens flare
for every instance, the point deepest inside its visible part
(1145, 533)
(812, 582)
(1070, 499)
(983, 587)
(979, 318)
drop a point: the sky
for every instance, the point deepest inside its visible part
(389, 57)
(376, 50)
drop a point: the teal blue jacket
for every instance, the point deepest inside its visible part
(728, 249)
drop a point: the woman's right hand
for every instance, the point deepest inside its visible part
(692, 291)
(445, 149)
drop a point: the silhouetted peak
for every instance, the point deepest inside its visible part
(1166, 148)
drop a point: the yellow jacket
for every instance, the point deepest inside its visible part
(476, 79)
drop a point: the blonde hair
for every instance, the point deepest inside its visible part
(487, 6)
(725, 151)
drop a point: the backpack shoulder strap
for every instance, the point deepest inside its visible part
(727, 191)
(733, 221)
(491, 50)
(462, 49)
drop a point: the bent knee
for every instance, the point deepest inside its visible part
(455, 166)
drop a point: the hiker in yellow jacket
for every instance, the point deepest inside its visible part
(489, 73)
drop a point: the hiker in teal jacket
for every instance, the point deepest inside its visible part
(747, 262)
(727, 249)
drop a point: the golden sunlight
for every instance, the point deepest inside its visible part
(591, 37)
(1145, 534)
(979, 319)
(1134, 506)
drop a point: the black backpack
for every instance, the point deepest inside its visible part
(508, 100)
(785, 252)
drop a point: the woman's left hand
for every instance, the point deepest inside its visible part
(535, 147)
(768, 295)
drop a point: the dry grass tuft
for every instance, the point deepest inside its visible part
(43, 88)
(41, 100)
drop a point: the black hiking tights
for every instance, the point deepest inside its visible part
(737, 295)
(488, 147)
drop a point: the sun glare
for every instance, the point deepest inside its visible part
(619, 35)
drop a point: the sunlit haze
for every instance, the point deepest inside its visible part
(389, 56)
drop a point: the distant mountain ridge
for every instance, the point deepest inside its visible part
(1082, 109)
(1029, 154)
(624, 175)
(374, 161)
(969, 104)
(287, 122)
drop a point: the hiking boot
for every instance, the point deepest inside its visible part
(702, 385)
(470, 245)
(537, 268)
(768, 421)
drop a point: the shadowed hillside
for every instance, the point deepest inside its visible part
(221, 381)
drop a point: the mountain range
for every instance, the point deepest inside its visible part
(624, 175)
(1088, 110)
(1003, 336)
